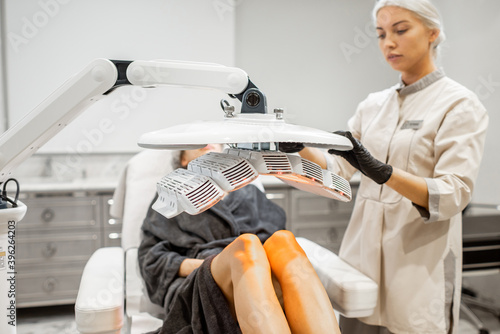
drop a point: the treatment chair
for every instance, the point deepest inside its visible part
(111, 297)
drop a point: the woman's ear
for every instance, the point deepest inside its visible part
(433, 35)
(184, 160)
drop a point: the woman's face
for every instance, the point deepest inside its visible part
(189, 155)
(405, 42)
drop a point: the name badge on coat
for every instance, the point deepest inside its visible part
(413, 125)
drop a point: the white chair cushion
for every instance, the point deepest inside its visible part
(136, 189)
(351, 292)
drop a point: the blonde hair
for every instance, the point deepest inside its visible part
(424, 10)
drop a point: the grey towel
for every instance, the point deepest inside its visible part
(200, 307)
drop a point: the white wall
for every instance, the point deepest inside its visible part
(472, 57)
(318, 59)
(49, 40)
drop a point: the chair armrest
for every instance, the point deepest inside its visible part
(100, 301)
(351, 292)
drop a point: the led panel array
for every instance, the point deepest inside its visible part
(209, 177)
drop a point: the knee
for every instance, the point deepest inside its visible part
(248, 252)
(282, 237)
(283, 240)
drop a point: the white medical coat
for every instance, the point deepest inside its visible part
(434, 128)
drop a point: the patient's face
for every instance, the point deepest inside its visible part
(189, 155)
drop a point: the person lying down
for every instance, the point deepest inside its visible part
(221, 271)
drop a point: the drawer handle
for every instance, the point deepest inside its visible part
(49, 250)
(115, 236)
(275, 196)
(48, 215)
(49, 284)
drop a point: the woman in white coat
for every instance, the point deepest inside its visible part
(422, 143)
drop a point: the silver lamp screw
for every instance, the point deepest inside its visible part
(229, 111)
(279, 113)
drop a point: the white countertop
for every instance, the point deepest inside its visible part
(55, 186)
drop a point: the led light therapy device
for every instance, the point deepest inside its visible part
(252, 134)
(183, 190)
(230, 172)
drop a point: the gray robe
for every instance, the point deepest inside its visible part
(167, 242)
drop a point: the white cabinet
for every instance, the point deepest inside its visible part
(54, 241)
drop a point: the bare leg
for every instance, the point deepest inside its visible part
(243, 273)
(307, 305)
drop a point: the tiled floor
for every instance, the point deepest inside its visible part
(60, 320)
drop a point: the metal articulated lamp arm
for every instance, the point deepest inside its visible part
(96, 80)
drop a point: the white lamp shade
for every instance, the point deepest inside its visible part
(243, 128)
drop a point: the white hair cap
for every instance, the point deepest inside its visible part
(423, 9)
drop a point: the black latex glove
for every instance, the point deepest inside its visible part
(290, 147)
(361, 159)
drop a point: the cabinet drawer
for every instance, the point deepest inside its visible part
(57, 248)
(328, 237)
(36, 289)
(279, 197)
(308, 207)
(60, 212)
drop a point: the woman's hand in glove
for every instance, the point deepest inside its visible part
(290, 147)
(360, 158)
